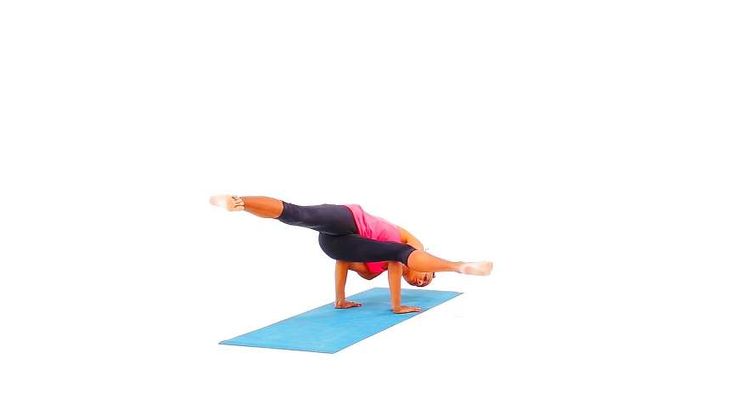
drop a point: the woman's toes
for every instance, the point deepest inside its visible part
(229, 202)
(219, 200)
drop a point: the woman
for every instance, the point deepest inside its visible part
(358, 241)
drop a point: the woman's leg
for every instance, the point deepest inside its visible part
(265, 207)
(422, 261)
(325, 218)
(353, 248)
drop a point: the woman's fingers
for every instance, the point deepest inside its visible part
(407, 309)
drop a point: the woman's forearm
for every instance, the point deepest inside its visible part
(395, 270)
(410, 239)
(341, 276)
(415, 244)
(394, 284)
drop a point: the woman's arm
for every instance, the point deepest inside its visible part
(341, 277)
(394, 284)
(409, 239)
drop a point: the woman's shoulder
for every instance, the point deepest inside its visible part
(403, 234)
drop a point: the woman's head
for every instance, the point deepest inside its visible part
(419, 279)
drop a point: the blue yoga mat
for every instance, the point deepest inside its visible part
(326, 329)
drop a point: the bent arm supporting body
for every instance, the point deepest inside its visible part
(341, 277)
(410, 239)
(395, 270)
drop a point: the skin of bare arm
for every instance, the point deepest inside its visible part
(341, 276)
(394, 283)
(410, 239)
(414, 278)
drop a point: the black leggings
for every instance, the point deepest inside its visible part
(338, 234)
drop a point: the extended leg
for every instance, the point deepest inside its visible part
(353, 248)
(422, 261)
(265, 207)
(325, 218)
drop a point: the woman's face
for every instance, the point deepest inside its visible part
(419, 279)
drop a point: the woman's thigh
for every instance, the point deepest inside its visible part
(333, 219)
(354, 248)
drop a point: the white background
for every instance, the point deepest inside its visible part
(582, 146)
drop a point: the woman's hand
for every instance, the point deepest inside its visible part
(344, 304)
(407, 309)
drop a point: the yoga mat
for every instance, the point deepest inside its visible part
(326, 329)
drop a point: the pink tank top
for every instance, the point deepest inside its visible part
(374, 228)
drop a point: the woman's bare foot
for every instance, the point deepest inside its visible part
(229, 202)
(476, 268)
